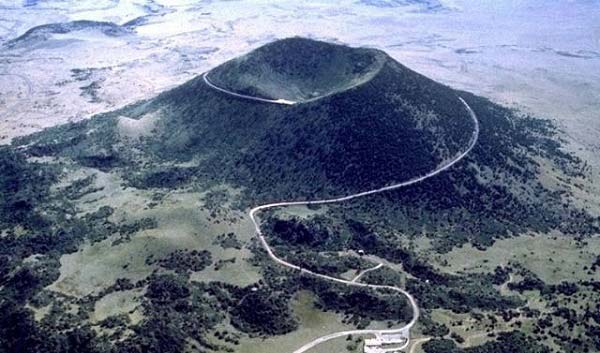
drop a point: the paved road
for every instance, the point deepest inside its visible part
(244, 96)
(253, 212)
(366, 271)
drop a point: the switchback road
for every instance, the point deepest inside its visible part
(404, 330)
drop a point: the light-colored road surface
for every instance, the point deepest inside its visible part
(405, 330)
(365, 272)
(417, 342)
(243, 96)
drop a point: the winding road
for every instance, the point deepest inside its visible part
(243, 96)
(404, 330)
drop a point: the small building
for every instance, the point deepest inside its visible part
(385, 343)
(372, 345)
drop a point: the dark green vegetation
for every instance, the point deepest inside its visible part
(257, 311)
(23, 186)
(384, 124)
(513, 342)
(228, 240)
(574, 307)
(183, 261)
(361, 305)
(433, 288)
(494, 193)
(361, 138)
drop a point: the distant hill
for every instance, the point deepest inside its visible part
(421, 5)
(45, 32)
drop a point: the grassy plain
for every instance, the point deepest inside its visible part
(553, 257)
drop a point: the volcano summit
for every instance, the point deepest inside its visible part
(299, 70)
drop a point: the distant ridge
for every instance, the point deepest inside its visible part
(45, 32)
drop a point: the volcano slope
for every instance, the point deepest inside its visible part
(369, 135)
(128, 231)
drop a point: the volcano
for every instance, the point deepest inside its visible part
(362, 120)
(132, 192)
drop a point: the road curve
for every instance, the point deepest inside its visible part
(244, 96)
(362, 273)
(417, 342)
(253, 212)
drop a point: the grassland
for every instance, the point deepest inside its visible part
(314, 323)
(552, 257)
